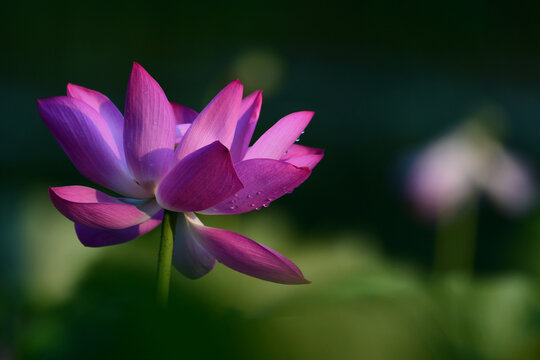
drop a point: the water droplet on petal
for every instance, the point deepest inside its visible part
(250, 196)
(266, 205)
(252, 205)
(259, 208)
(259, 192)
(285, 153)
(236, 195)
(297, 140)
(302, 132)
(233, 207)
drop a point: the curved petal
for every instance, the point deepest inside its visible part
(249, 114)
(300, 150)
(105, 107)
(200, 180)
(510, 183)
(149, 129)
(245, 255)
(274, 142)
(183, 114)
(93, 208)
(189, 257)
(303, 156)
(93, 237)
(87, 139)
(217, 121)
(264, 180)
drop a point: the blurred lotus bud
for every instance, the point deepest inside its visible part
(453, 170)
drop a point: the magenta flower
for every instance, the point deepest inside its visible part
(164, 158)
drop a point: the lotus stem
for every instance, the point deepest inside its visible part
(165, 257)
(455, 243)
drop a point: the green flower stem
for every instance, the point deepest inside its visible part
(456, 240)
(165, 257)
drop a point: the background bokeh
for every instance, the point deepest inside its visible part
(385, 79)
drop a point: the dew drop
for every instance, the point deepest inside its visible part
(252, 205)
(285, 153)
(302, 132)
(236, 195)
(233, 207)
(266, 205)
(259, 208)
(250, 196)
(297, 140)
(259, 192)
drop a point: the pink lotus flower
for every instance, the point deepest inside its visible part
(453, 170)
(161, 155)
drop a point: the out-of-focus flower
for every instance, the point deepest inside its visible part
(452, 170)
(162, 155)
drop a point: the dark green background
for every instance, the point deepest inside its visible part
(384, 79)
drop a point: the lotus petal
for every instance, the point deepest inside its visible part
(189, 257)
(93, 208)
(93, 237)
(87, 139)
(264, 180)
(279, 138)
(303, 156)
(249, 114)
(181, 130)
(105, 107)
(183, 114)
(149, 129)
(200, 180)
(217, 121)
(245, 255)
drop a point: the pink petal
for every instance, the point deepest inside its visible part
(183, 114)
(181, 130)
(264, 181)
(105, 107)
(189, 257)
(93, 208)
(245, 255)
(274, 142)
(299, 150)
(93, 237)
(217, 121)
(149, 129)
(249, 114)
(200, 180)
(89, 142)
(510, 184)
(303, 156)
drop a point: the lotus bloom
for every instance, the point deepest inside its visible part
(161, 156)
(455, 168)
